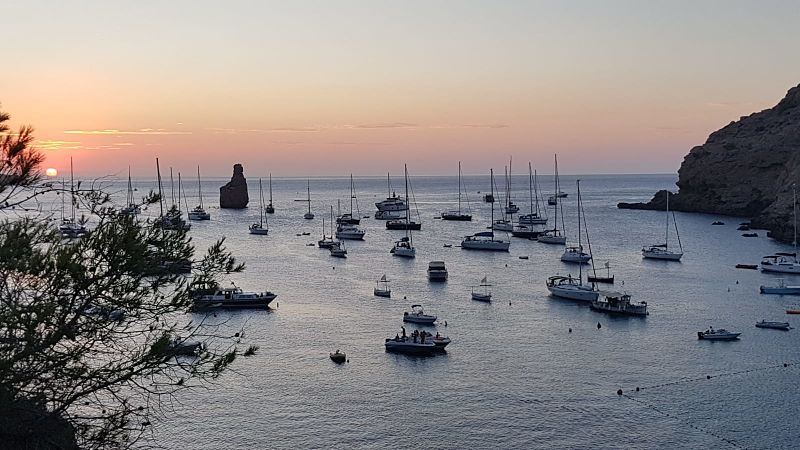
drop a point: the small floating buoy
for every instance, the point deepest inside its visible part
(570, 330)
(737, 281)
(729, 289)
(509, 303)
(506, 265)
(785, 365)
(277, 304)
(599, 326)
(637, 388)
(619, 391)
(404, 297)
(445, 323)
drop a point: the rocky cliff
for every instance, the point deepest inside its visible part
(745, 169)
(234, 193)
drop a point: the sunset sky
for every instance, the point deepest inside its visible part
(333, 87)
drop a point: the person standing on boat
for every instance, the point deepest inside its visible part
(404, 332)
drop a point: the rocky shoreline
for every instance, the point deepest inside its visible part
(746, 169)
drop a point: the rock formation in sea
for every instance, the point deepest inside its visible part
(745, 169)
(234, 194)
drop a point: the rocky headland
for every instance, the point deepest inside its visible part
(234, 194)
(745, 169)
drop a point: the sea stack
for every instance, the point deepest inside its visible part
(234, 194)
(745, 169)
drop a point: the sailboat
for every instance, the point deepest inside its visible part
(132, 207)
(458, 215)
(270, 209)
(309, 215)
(555, 235)
(486, 295)
(783, 262)
(382, 288)
(260, 228)
(349, 218)
(171, 219)
(511, 208)
(485, 240)
(326, 241)
(572, 288)
(70, 228)
(535, 217)
(575, 253)
(662, 251)
(199, 213)
(602, 279)
(392, 207)
(405, 246)
(503, 224)
(335, 247)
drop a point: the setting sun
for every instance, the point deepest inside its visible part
(51, 172)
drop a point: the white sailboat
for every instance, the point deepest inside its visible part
(486, 240)
(349, 218)
(482, 295)
(132, 207)
(573, 288)
(783, 262)
(458, 215)
(309, 215)
(662, 251)
(336, 248)
(575, 253)
(535, 216)
(405, 246)
(503, 223)
(554, 236)
(270, 209)
(199, 213)
(262, 227)
(326, 241)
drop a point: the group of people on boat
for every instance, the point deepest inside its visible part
(417, 335)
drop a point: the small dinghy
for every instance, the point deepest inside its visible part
(417, 315)
(773, 325)
(382, 288)
(338, 357)
(718, 223)
(749, 234)
(793, 311)
(484, 295)
(720, 334)
(747, 266)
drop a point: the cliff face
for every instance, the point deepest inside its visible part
(745, 169)
(234, 193)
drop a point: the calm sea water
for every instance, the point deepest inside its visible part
(513, 377)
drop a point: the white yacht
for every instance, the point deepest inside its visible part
(510, 207)
(234, 297)
(308, 215)
(392, 202)
(437, 271)
(347, 231)
(417, 315)
(199, 213)
(720, 334)
(458, 215)
(486, 240)
(575, 254)
(617, 303)
(571, 288)
(262, 227)
(482, 295)
(781, 289)
(405, 246)
(662, 251)
(382, 288)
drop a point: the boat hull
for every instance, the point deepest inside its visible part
(457, 217)
(608, 309)
(382, 293)
(781, 268)
(664, 256)
(402, 225)
(250, 303)
(556, 240)
(584, 294)
(773, 325)
(482, 297)
(778, 290)
(726, 337)
(493, 246)
(411, 348)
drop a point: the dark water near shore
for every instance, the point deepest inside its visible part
(513, 376)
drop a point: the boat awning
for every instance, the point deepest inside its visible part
(484, 234)
(416, 306)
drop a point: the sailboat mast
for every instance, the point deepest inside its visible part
(408, 231)
(580, 247)
(199, 189)
(351, 194)
(530, 185)
(270, 189)
(130, 187)
(666, 229)
(555, 196)
(491, 177)
(308, 190)
(260, 204)
(536, 191)
(459, 187)
(181, 192)
(172, 186)
(794, 206)
(508, 183)
(160, 196)
(72, 187)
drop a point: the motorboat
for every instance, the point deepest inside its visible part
(409, 345)
(392, 202)
(781, 289)
(437, 271)
(182, 347)
(485, 240)
(781, 263)
(198, 212)
(575, 254)
(403, 248)
(262, 227)
(390, 214)
(552, 200)
(773, 325)
(662, 251)
(571, 288)
(484, 295)
(793, 311)
(308, 215)
(720, 334)
(458, 215)
(617, 303)
(488, 198)
(417, 315)
(438, 340)
(552, 237)
(233, 297)
(338, 250)
(346, 231)
(401, 224)
(382, 288)
(338, 357)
